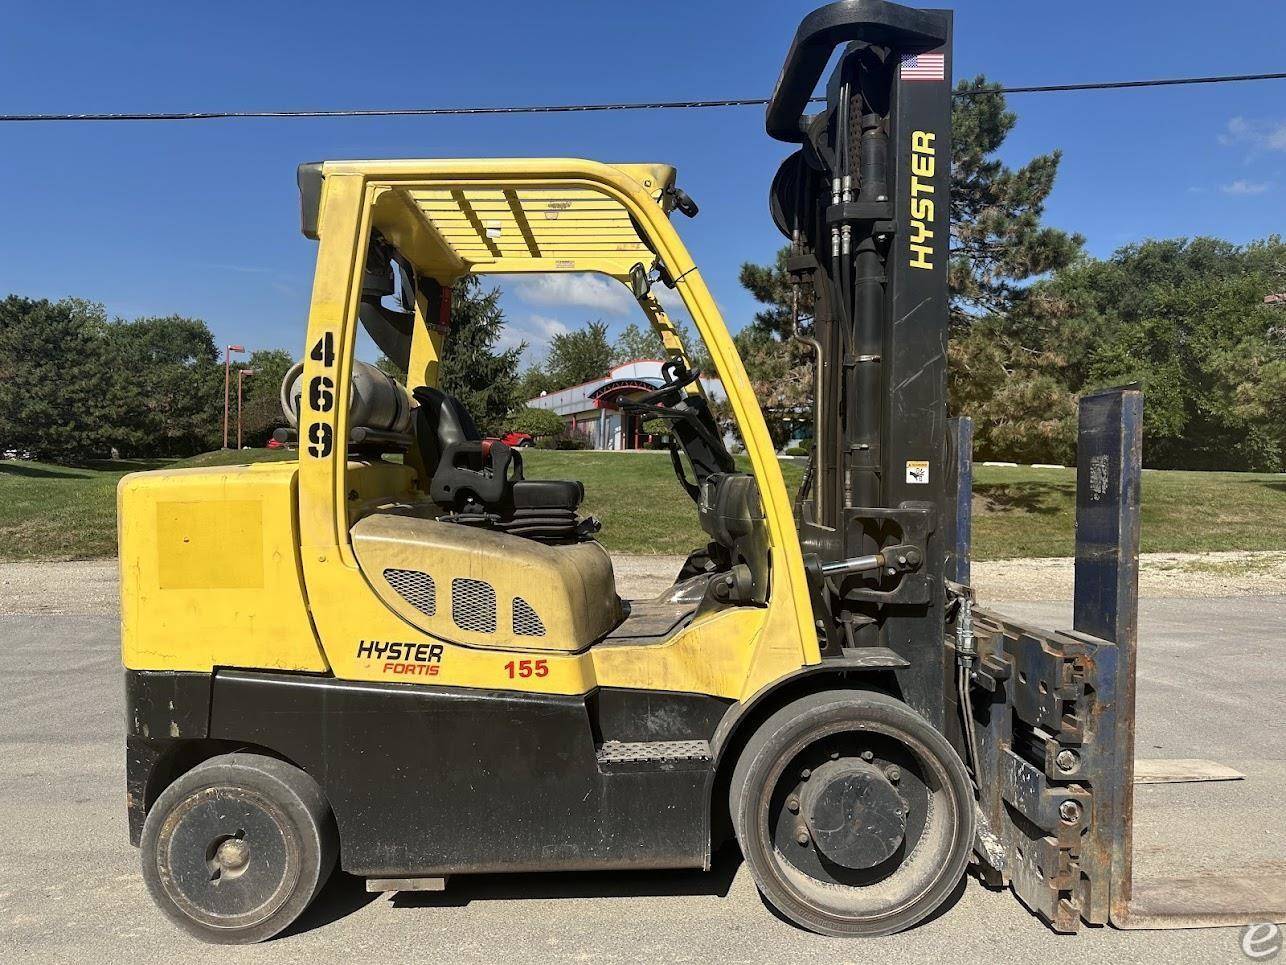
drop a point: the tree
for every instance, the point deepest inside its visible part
(636, 342)
(771, 287)
(173, 384)
(482, 378)
(579, 356)
(74, 386)
(1021, 405)
(997, 239)
(261, 408)
(781, 373)
(998, 245)
(59, 379)
(535, 422)
(642, 342)
(533, 381)
(391, 368)
(1187, 319)
(779, 366)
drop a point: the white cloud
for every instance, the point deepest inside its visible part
(1257, 135)
(1243, 188)
(576, 290)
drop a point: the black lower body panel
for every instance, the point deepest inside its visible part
(164, 712)
(427, 780)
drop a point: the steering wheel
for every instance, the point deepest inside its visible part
(694, 427)
(677, 377)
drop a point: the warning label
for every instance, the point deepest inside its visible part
(917, 472)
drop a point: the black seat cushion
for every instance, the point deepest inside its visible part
(548, 494)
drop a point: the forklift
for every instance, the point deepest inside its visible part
(401, 656)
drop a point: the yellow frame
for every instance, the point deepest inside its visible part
(732, 654)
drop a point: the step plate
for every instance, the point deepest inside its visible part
(640, 752)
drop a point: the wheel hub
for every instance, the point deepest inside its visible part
(853, 813)
(231, 856)
(225, 858)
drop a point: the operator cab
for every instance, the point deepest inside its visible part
(464, 546)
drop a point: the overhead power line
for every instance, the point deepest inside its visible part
(1124, 84)
(589, 108)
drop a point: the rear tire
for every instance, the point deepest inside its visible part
(886, 843)
(235, 849)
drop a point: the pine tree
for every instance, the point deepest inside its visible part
(997, 239)
(484, 379)
(60, 381)
(998, 245)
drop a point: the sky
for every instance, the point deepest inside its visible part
(200, 218)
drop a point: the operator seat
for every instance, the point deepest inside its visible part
(481, 480)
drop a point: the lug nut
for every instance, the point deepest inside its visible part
(835, 755)
(1067, 760)
(802, 837)
(868, 756)
(805, 774)
(793, 805)
(894, 774)
(1070, 812)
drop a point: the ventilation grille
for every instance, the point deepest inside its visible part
(473, 605)
(415, 588)
(526, 622)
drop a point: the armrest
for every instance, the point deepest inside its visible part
(477, 468)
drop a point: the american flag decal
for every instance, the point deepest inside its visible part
(932, 66)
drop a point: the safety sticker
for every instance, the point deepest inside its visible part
(917, 472)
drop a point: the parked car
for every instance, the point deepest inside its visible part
(517, 440)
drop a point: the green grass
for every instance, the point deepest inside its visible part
(54, 512)
(231, 457)
(1028, 512)
(50, 512)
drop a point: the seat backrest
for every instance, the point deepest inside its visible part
(441, 420)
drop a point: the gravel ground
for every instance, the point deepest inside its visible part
(1211, 679)
(90, 586)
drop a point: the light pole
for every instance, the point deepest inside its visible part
(227, 384)
(241, 374)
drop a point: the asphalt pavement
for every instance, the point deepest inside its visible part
(1212, 681)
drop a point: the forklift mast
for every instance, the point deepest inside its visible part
(864, 202)
(1044, 719)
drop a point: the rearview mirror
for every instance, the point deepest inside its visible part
(640, 284)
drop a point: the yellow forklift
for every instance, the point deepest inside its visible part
(401, 655)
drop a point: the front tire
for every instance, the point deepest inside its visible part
(235, 849)
(880, 837)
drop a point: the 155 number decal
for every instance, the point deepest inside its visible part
(527, 668)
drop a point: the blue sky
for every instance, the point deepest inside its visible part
(201, 218)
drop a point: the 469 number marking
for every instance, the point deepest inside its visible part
(321, 399)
